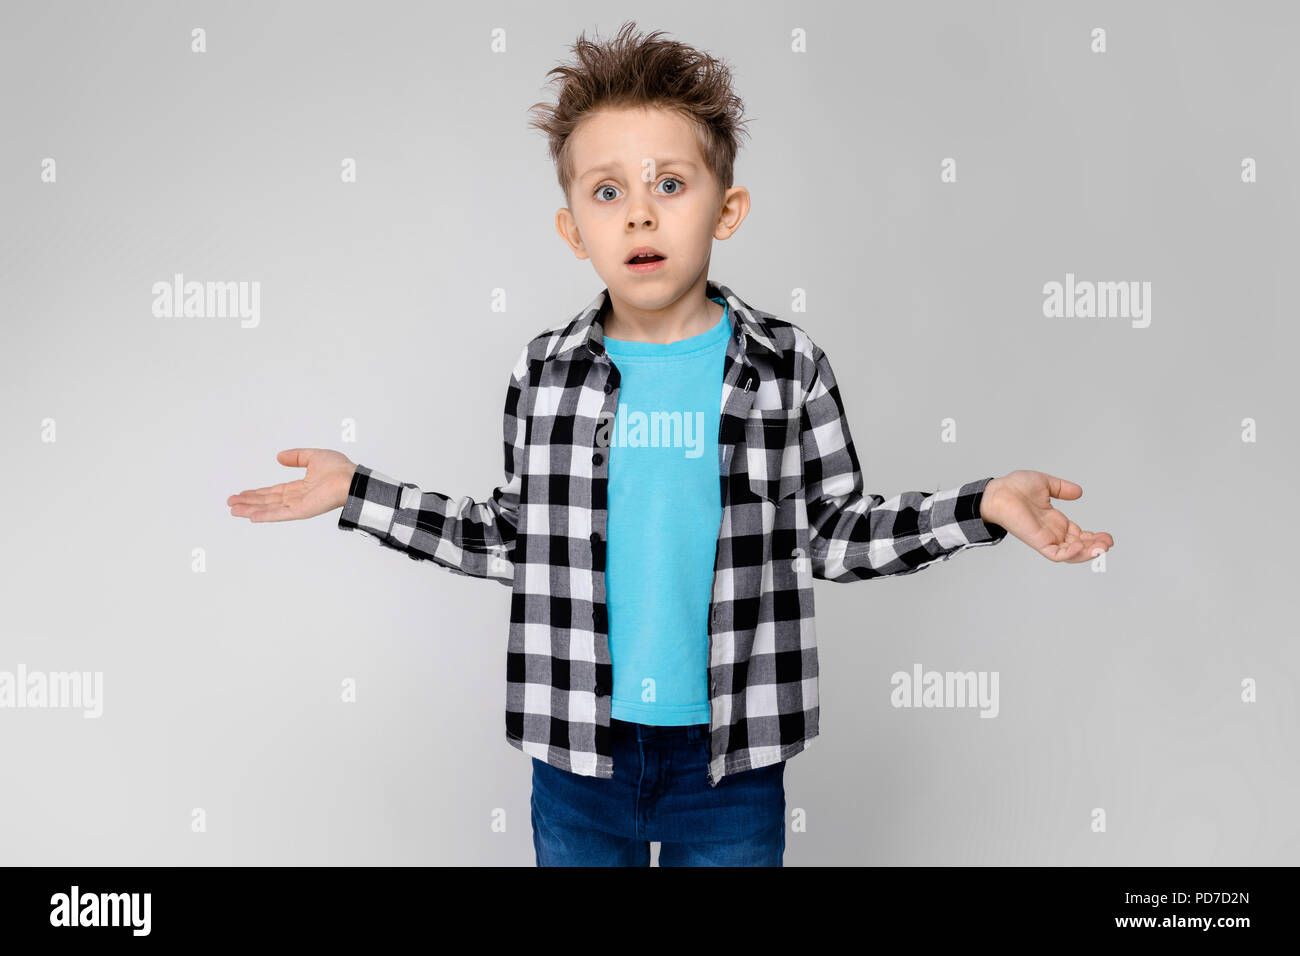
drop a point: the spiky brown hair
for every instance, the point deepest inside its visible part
(643, 70)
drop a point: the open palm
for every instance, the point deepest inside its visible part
(323, 488)
(1021, 502)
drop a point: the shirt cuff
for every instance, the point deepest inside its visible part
(371, 506)
(955, 517)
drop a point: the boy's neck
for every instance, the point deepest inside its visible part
(689, 316)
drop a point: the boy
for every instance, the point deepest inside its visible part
(678, 471)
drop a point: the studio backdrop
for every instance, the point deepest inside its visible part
(1058, 237)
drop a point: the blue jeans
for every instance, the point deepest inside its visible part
(659, 793)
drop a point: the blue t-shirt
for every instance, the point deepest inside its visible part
(665, 510)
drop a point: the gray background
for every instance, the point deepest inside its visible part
(1118, 690)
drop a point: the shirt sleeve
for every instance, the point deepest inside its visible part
(855, 535)
(475, 538)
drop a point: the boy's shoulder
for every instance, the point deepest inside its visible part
(784, 344)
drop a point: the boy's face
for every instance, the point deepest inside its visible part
(641, 180)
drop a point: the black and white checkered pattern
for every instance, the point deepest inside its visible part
(793, 509)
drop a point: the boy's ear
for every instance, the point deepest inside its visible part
(567, 227)
(735, 207)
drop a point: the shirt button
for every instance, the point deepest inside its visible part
(609, 387)
(597, 458)
(595, 537)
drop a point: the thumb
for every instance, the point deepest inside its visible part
(1063, 488)
(294, 457)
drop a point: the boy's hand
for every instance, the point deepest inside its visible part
(1021, 502)
(322, 489)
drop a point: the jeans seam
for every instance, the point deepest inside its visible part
(636, 820)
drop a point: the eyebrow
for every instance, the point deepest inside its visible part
(614, 166)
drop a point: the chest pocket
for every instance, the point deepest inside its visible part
(772, 452)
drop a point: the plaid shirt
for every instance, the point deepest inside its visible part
(793, 510)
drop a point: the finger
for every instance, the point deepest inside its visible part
(1063, 488)
(252, 492)
(294, 457)
(256, 511)
(257, 496)
(1052, 552)
(280, 513)
(1093, 545)
(1061, 550)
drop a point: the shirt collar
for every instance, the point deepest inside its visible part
(588, 329)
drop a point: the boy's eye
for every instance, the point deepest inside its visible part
(668, 179)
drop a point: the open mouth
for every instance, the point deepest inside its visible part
(644, 255)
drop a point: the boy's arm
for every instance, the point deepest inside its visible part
(855, 535)
(466, 536)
